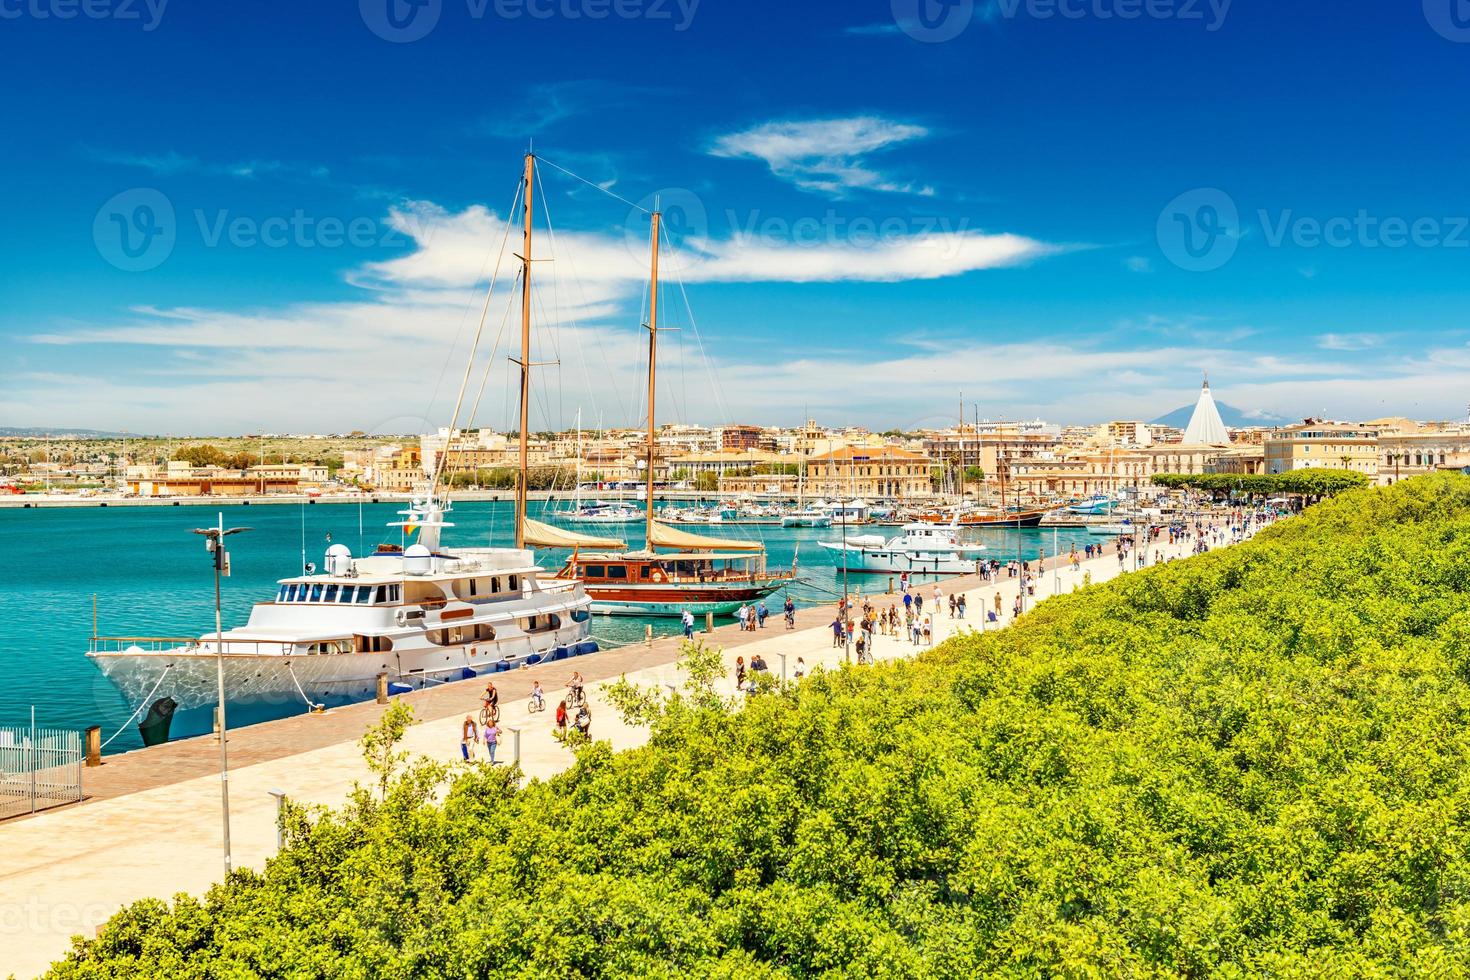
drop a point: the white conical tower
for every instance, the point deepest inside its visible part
(1206, 428)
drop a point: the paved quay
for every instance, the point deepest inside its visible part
(150, 826)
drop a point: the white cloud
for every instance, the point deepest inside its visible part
(825, 155)
(1348, 341)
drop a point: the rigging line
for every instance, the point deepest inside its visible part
(576, 323)
(490, 363)
(464, 314)
(715, 388)
(469, 365)
(599, 187)
(720, 406)
(146, 701)
(555, 320)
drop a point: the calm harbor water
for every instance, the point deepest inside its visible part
(151, 576)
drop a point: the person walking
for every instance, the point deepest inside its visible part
(743, 614)
(837, 631)
(492, 739)
(997, 604)
(688, 620)
(761, 613)
(739, 673)
(468, 736)
(960, 604)
(800, 668)
(790, 612)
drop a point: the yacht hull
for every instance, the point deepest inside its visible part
(886, 559)
(188, 674)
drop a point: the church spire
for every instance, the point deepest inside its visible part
(1206, 428)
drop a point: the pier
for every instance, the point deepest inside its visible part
(149, 825)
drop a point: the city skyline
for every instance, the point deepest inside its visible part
(855, 244)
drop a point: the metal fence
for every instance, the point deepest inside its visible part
(39, 768)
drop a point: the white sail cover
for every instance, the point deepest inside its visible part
(1206, 428)
(664, 536)
(547, 536)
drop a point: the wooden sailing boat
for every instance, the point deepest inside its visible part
(696, 573)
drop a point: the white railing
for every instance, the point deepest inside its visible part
(39, 768)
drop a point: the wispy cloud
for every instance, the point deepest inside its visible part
(1349, 341)
(828, 156)
(878, 29)
(170, 163)
(1139, 264)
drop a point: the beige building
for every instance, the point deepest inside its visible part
(183, 479)
(1407, 448)
(885, 472)
(1317, 444)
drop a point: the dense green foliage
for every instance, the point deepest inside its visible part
(1313, 483)
(1250, 763)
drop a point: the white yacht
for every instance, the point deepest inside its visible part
(602, 512)
(920, 548)
(421, 614)
(806, 517)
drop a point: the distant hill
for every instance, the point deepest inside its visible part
(10, 432)
(1233, 417)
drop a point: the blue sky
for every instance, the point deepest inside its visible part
(1064, 208)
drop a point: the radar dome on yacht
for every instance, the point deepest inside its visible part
(339, 560)
(418, 560)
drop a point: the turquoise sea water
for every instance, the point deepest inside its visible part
(151, 576)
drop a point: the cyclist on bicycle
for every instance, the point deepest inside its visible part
(574, 687)
(490, 701)
(538, 700)
(790, 609)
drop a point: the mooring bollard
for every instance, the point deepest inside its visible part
(709, 622)
(383, 688)
(890, 585)
(515, 745)
(280, 796)
(94, 746)
(648, 634)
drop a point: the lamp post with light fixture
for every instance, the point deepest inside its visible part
(214, 544)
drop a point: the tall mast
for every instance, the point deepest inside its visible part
(525, 362)
(652, 374)
(960, 476)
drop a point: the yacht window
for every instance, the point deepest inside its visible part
(365, 594)
(395, 592)
(281, 595)
(515, 584)
(617, 571)
(331, 594)
(495, 585)
(382, 593)
(316, 592)
(346, 594)
(594, 571)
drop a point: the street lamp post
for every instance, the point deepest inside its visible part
(214, 544)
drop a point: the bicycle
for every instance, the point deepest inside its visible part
(537, 702)
(489, 714)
